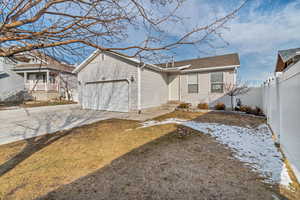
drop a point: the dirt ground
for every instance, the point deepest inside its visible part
(180, 165)
(114, 160)
(231, 119)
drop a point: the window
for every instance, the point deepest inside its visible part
(41, 78)
(217, 84)
(193, 83)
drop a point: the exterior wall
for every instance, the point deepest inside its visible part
(253, 97)
(154, 88)
(281, 98)
(204, 94)
(10, 82)
(106, 67)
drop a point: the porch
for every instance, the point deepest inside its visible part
(31, 86)
(44, 80)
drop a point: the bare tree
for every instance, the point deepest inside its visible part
(69, 26)
(235, 89)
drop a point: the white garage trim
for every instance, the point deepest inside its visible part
(114, 81)
(105, 81)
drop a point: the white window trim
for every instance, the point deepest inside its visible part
(197, 75)
(210, 83)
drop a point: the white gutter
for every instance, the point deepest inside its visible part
(211, 68)
(176, 69)
(171, 69)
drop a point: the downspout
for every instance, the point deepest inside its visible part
(234, 82)
(179, 87)
(139, 88)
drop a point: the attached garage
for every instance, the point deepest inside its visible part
(106, 95)
(113, 82)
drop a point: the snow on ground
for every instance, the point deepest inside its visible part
(167, 121)
(252, 146)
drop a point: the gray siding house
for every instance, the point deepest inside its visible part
(111, 81)
(38, 76)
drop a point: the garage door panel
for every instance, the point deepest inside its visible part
(112, 96)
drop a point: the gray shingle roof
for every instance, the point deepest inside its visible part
(214, 61)
(288, 53)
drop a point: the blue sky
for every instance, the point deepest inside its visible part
(259, 30)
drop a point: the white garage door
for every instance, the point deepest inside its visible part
(111, 96)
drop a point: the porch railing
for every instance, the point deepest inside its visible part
(41, 86)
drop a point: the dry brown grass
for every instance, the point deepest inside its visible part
(31, 104)
(180, 115)
(86, 150)
(293, 192)
(82, 151)
(182, 164)
(231, 119)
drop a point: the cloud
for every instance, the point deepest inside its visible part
(262, 32)
(259, 31)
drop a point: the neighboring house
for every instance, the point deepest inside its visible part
(38, 75)
(286, 58)
(114, 82)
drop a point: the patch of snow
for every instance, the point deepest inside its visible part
(253, 146)
(167, 121)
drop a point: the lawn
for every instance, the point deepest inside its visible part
(74, 154)
(116, 159)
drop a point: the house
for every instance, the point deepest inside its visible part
(286, 58)
(39, 76)
(112, 81)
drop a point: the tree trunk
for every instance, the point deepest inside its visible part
(231, 97)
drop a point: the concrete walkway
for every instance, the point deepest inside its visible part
(26, 123)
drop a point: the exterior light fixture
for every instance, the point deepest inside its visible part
(132, 79)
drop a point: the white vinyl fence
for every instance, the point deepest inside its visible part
(252, 98)
(281, 104)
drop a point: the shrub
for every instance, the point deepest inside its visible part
(184, 105)
(246, 109)
(203, 106)
(257, 111)
(237, 109)
(220, 106)
(250, 110)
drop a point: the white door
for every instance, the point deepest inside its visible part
(174, 87)
(111, 96)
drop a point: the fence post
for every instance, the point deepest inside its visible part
(278, 107)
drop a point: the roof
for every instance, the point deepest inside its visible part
(117, 55)
(207, 62)
(58, 67)
(287, 58)
(288, 53)
(45, 62)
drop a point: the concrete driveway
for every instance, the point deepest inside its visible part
(25, 123)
